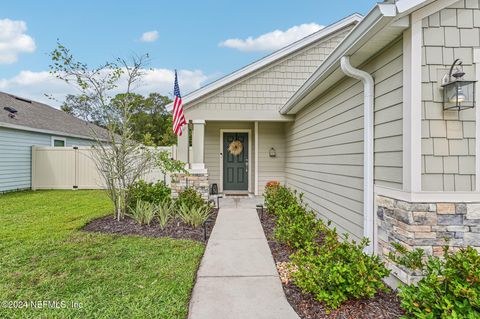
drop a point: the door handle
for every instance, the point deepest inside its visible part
(246, 165)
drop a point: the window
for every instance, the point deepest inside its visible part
(59, 141)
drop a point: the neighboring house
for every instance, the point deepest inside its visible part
(353, 116)
(25, 123)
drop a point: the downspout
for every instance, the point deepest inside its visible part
(368, 102)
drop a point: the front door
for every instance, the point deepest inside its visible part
(235, 161)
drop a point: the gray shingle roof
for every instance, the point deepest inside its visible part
(39, 116)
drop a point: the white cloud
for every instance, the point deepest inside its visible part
(272, 40)
(34, 85)
(14, 41)
(149, 36)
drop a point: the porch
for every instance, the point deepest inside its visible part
(236, 157)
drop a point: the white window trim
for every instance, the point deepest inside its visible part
(58, 138)
(476, 63)
(249, 131)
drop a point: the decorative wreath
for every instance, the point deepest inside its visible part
(235, 147)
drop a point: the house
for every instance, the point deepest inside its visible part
(365, 118)
(25, 123)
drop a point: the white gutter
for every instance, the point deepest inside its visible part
(368, 102)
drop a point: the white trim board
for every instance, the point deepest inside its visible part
(428, 197)
(256, 156)
(476, 63)
(241, 130)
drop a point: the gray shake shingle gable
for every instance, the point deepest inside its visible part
(35, 116)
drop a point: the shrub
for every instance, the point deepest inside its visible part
(296, 226)
(190, 198)
(450, 288)
(143, 212)
(164, 212)
(194, 215)
(337, 271)
(277, 197)
(148, 192)
(410, 259)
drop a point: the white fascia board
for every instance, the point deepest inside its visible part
(43, 131)
(356, 38)
(327, 31)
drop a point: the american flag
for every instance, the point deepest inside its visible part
(178, 116)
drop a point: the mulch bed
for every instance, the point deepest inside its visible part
(174, 229)
(382, 306)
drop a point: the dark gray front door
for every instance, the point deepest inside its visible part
(235, 167)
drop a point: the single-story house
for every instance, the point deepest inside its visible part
(25, 123)
(365, 117)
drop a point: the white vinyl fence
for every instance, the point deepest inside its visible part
(74, 168)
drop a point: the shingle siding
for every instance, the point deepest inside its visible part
(267, 89)
(448, 137)
(15, 156)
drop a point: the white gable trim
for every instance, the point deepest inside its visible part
(329, 30)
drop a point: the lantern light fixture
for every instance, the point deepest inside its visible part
(272, 152)
(458, 94)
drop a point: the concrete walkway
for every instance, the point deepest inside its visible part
(237, 278)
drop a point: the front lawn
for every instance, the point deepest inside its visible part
(46, 261)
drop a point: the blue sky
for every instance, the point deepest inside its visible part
(186, 35)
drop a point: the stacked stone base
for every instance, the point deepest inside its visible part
(428, 226)
(198, 181)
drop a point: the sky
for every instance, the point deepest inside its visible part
(204, 40)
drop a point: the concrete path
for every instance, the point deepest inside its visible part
(237, 278)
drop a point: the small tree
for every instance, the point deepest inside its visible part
(119, 158)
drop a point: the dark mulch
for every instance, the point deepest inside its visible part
(174, 229)
(385, 305)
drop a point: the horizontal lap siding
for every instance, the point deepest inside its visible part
(16, 153)
(270, 135)
(387, 70)
(324, 157)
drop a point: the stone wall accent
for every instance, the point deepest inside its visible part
(199, 181)
(428, 226)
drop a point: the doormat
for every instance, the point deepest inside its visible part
(236, 195)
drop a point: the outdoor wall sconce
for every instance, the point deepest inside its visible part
(272, 152)
(458, 94)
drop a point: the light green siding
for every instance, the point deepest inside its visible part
(15, 156)
(448, 137)
(270, 134)
(324, 155)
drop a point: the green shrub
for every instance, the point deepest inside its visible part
(296, 226)
(190, 198)
(194, 215)
(410, 259)
(148, 192)
(277, 197)
(450, 288)
(337, 271)
(143, 212)
(164, 212)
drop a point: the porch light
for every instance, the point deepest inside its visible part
(272, 152)
(458, 94)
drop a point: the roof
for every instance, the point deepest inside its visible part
(385, 22)
(42, 118)
(275, 56)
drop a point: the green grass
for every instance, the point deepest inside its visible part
(43, 256)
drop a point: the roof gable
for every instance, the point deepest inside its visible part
(214, 87)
